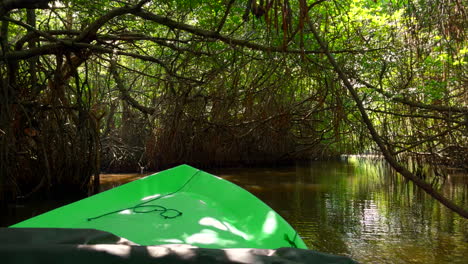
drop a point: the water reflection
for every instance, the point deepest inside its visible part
(360, 209)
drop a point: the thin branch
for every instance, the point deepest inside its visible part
(419, 116)
(159, 41)
(440, 108)
(419, 142)
(90, 32)
(123, 91)
(30, 28)
(223, 20)
(74, 46)
(230, 41)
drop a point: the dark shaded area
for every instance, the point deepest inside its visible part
(49, 245)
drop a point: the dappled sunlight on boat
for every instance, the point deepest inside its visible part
(117, 250)
(207, 237)
(151, 197)
(228, 228)
(126, 211)
(240, 257)
(187, 207)
(222, 228)
(172, 241)
(271, 224)
(237, 232)
(209, 221)
(158, 252)
(183, 251)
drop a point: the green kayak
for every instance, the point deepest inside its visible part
(182, 205)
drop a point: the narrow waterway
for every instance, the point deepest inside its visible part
(356, 208)
(360, 209)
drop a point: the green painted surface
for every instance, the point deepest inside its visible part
(215, 213)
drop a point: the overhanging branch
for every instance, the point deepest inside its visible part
(7, 5)
(123, 91)
(386, 151)
(399, 99)
(230, 41)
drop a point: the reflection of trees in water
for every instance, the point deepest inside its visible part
(364, 210)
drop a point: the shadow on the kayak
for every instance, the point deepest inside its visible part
(57, 245)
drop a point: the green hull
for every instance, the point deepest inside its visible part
(181, 205)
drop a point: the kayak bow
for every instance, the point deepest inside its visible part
(181, 205)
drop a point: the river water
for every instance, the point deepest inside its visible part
(360, 209)
(356, 208)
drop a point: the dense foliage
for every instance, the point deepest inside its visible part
(118, 85)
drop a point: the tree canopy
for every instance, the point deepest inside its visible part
(91, 85)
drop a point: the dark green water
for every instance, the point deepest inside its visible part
(355, 208)
(359, 209)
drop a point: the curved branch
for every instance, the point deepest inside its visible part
(446, 119)
(223, 20)
(90, 32)
(134, 55)
(30, 28)
(33, 35)
(440, 108)
(125, 96)
(419, 142)
(29, 53)
(160, 41)
(230, 41)
(74, 46)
